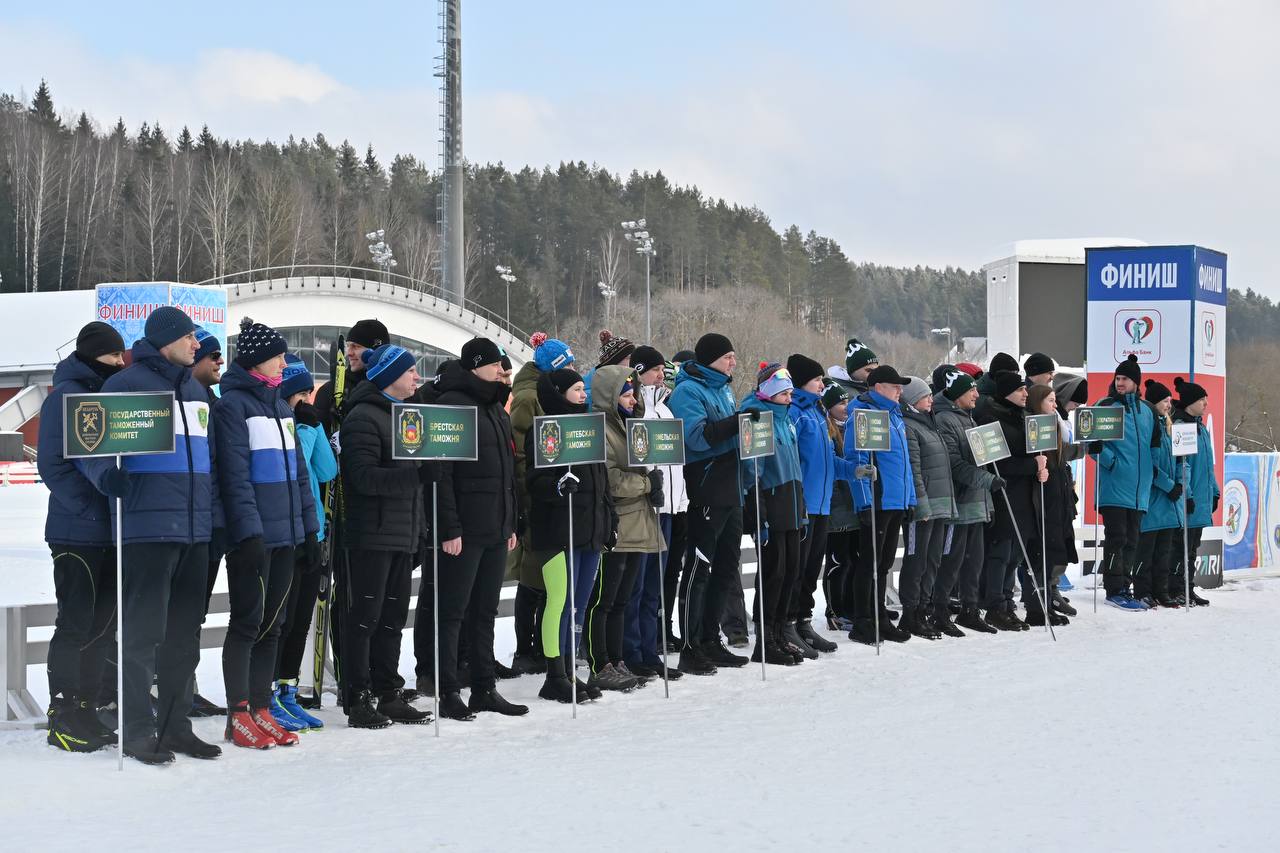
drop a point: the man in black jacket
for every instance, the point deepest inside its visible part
(366, 334)
(477, 516)
(383, 527)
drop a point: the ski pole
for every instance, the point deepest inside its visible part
(1044, 557)
(120, 623)
(875, 552)
(435, 597)
(572, 663)
(662, 598)
(1097, 544)
(1186, 557)
(1022, 546)
(761, 631)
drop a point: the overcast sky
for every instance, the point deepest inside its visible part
(911, 132)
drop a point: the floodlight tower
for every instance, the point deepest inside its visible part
(449, 205)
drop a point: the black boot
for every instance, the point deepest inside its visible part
(718, 655)
(147, 750)
(528, 664)
(970, 618)
(863, 631)
(202, 707)
(362, 715)
(93, 724)
(693, 662)
(1001, 620)
(453, 708)
(792, 640)
(557, 686)
(920, 626)
(891, 633)
(395, 707)
(804, 628)
(67, 729)
(942, 621)
(191, 746)
(773, 652)
(491, 700)
(1059, 604)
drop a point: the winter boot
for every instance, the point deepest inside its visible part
(772, 653)
(394, 706)
(491, 700)
(970, 618)
(281, 715)
(243, 730)
(590, 691)
(863, 631)
(738, 641)
(287, 697)
(202, 707)
(529, 664)
(453, 708)
(692, 662)
(718, 655)
(557, 686)
(780, 638)
(67, 730)
(791, 636)
(191, 746)
(941, 620)
(812, 638)
(502, 672)
(609, 678)
(1012, 612)
(1058, 603)
(270, 725)
(920, 626)
(1198, 600)
(362, 715)
(1002, 620)
(642, 678)
(88, 716)
(147, 750)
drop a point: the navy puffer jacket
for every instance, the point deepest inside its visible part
(262, 474)
(78, 513)
(172, 496)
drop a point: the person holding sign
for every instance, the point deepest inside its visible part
(1059, 513)
(595, 523)
(926, 531)
(477, 517)
(170, 500)
(79, 532)
(1125, 471)
(1159, 545)
(842, 537)
(891, 486)
(1202, 490)
(382, 525)
(266, 497)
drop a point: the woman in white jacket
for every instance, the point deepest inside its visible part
(645, 627)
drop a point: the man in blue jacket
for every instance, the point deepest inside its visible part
(890, 484)
(1203, 491)
(78, 530)
(704, 401)
(169, 504)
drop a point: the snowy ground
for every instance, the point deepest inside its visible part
(1139, 732)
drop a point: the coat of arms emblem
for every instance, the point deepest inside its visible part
(411, 430)
(90, 425)
(550, 441)
(640, 442)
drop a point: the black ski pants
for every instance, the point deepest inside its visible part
(883, 546)
(677, 559)
(470, 585)
(164, 590)
(258, 584)
(1121, 531)
(781, 557)
(298, 612)
(813, 549)
(842, 553)
(606, 621)
(378, 601)
(714, 572)
(923, 544)
(217, 550)
(1156, 561)
(84, 581)
(962, 565)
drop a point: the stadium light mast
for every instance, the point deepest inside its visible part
(453, 273)
(635, 232)
(508, 279)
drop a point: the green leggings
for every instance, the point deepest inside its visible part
(555, 615)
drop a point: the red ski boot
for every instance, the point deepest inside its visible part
(267, 723)
(242, 730)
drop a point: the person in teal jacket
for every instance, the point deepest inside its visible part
(1124, 488)
(1161, 535)
(779, 499)
(1203, 492)
(296, 386)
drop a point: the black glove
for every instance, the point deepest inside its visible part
(718, 431)
(1095, 447)
(567, 485)
(755, 415)
(998, 484)
(312, 546)
(656, 498)
(1175, 492)
(305, 413)
(1215, 502)
(249, 553)
(611, 541)
(115, 483)
(909, 514)
(655, 481)
(428, 473)
(1191, 506)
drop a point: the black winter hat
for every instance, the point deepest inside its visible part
(369, 333)
(1155, 392)
(834, 396)
(646, 358)
(939, 379)
(257, 343)
(1130, 369)
(551, 390)
(858, 355)
(1003, 361)
(1188, 392)
(803, 369)
(684, 355)
(711, 346)
(614, 348)
(97, 338)
(1007, 381)
(1037, 363)
(886, 374)
(165, 325)
(956, 384)
(478, 352)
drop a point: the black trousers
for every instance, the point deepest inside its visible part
(378, 602)
(714, 573)
(1159, 554)
(424, 622)
(813, 549)
(217, 550)
(258, 590)
(1121, 530)
(607, 608)
(924, 542)
(84, 580)
(470, 585)
(297, 620)
(962, 566)
(885, 545)
(837, 582)
(1000, 572)
(677, 559)
(781, 556)
(164, 590)
(1178, 581)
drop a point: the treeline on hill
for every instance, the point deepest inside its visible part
(80, 206)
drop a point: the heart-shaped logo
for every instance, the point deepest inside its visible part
(1139, 328)
(1208, 331)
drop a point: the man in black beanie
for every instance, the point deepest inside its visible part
(365, 334)
(1039, 369)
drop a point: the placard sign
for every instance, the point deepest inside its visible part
(119, 424)
(420, 431)
(755, 438)
(1185, 439)
(568, 440)
(987, 443)
(655, 441)
(1042, 433)
(871, 431)
(1099, 423)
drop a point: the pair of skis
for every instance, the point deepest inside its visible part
(333, 508)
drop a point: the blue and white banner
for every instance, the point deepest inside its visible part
(126, 306)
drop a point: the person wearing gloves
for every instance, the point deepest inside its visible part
(383, 525)
(703, 399)
(1203, 492)
(781, 504)
(842, 533)
(296, 387)
(1125, 470)
(1159, 545)
(889, 486)
(822, 469)
(270, 511)
(1015, 519)
(1058, 512)
(974, 488)
(80, 537)
(166, 549)
(643, 633)
(636, 492)
(595, 525)
(477, 517)
(925, 533)
(549, 355)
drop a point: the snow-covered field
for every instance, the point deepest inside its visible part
(1134, 732)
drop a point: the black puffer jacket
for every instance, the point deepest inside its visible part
(382, 497)
(594, 516)
(1019, 471)
(478, 499)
